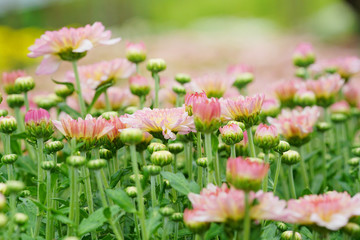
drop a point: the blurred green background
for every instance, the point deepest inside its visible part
(21, 21)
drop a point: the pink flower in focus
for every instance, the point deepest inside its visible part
(68, 44)
(112, 137)
(214, 85)
(206, 115)
(351, 94)
(8, 80)
(331, 210)
(340, 107)
(190, 98)
(37, 116)
(166, 122)
(286, 90)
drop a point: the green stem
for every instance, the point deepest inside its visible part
(292, 184)
(73, 200)
(189, 159)
(303, 168)
(136, 223)
(284, 184)
(200, 177)
(7, 144)
(19, 119)
(153, 191)
(78, 89)
(107, 101)
(324, 162)
(11, 226)
(88, 192)
(142, 101)
(137, 68)
(176, 231)
(232, 151)
(212, 164)
(40, 179)
(277, 172)
(49, 197)
(252, 152)
(198, 145)
(157, 87)
(266, 178)
(26, 99)
(139, 196)
(247, 222)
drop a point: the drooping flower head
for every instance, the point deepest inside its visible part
(340, 107)
(241, 74)
(266, 136)
(351, 94)
(68, 44)
(190, 98)
(231, 133)
(214, 85)
(246, 174)
(112, 137)
(38, 124)
(161, 123)
(270, 108)
(139, 85)
(243, 109)
(331, 210)
(206, 115)
(296, 125)
(286, 90)
(348, 67)
(8, 80)
(88, 131)
(325, 88)
(136, 52)
(97, 74)
(303, 55)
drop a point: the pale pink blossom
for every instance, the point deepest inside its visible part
(340, 107)
(239, 69)
(351, 94)
(190, 98)
(214, 85)
(37, 116)
(206, 112)
(58, 45)
(270, 107)
(348, 66)
(138, 81)
(117, 126)
(303, 50)
(286, 90)
(246, 169)
(8, 80)
(230, 128)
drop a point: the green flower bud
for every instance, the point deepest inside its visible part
(305, 98)
(338, 118)
(179, 90)
(63, 91)
(290, 157)
(272, 157)
(266, 137)
(153, 170)
(240, 124)
(24, 84)
(46, 102)
(105, 154)
(300, 72)
(109, 115)
(354, 162)
(131, 192)
(352, 229)
(182, 78)
(177, 217)
(54, 146)
(281, 226)
(166, 211)
(25, 193)
(231, 134)
(162, 158)
(202, 162)
(135, 52)
(13, 187)
(48, 165)
(155, 147)
(133, 177)
(3, 220)
(75, 161)
(131, 136)
(9, 158)
(197, 227)
(288, 235)
(283, 146)
(3, 188)
(130, 110)
(356, 151)
(15, 100)
(71, 238)
(3, 112)
(21, 218)
(176, 148)
(2, 202)
(166, 184)
(243, 79)
(97, 164)
(156, 65)
(323, 126)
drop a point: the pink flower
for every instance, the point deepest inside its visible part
(296, 125)
(167, 122)
(112, 137)
(303, 50)
(340, 107)
(139, 85)
(207, 114)
(266, 136)
(351, 94)
(135, 52)
(269, 207)
(135, 47)
(286, 90)
(239, 69)
(68, 44)
(37, 116)
(331, 210)
(8, 80)
(348, 66)
(242, 109)
(190, 98)
(231, 133)
(270, 107)
(230, 128)
(214, 85)
(96, 74)
(303, 55)
(241, 75)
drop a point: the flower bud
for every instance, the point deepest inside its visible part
(166, 184)
(176, 148)
(131, 191)
(96, 164)
(155, 147)
(63, 91)
(281, 226)
(109, 115)
(338, 118)
(3, 220)
(352, 229)
(283, 146)
(240, 124)
(271, 159)
(354, 162)
(356, 151)
(105, 154)
(21, 218)
(305, 98)
(48, 165)
(243, 79)
(46, 103)
(2, 202)
(130, 110)
(153, 170)
(131, 136)
(206, 114)
(3, 112)
(194, 225)
(179, 90)
(24, 84)
(161, 158)
(8, 124)
(135, 52)
(288, 235)
(202, 162)
(75, 161)
(15, 100)
(270, 108)
(323, 126)
(182, 78)
(266, 137)
(13, 187)
(156, 65)
(166, 211)
(303, 55)
(3, 188)
(290, 157)
(54, 146)
(341, 107)
(139, 85)
(177, 217)
(9, 158)
(133, 177)
(38, 124)
(231, 134)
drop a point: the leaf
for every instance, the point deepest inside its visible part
(317, 182)
(178, 182)
(115, 178)
(153, 222)
(63, 219)
(121, 199)
(68, 84)
(20, 135)
(39, 205)
(194, 187)
(214, 230)
(101, 89)
(214, 143)
(107, 213)
(29, 208)
(306, 191)
(66, 108)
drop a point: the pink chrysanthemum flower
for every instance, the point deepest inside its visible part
(242, 109)
(296, 125)
(190, 98)
(206, 113)
(112, 138)
(38, 124)
(304, 97)
(139, 85)
(325, 88)
(286, 90)
(136, 52)
(351, 94)
(214, 85)
(36, 116)
(348, 66)
(89, 130)
(340, 107)
(97, 74)
(320, 68)
(246, 173)
(193, 220)
(270, 108)
(303, 55)
(160, 123)
(331, 210)
(8, 80)
(266, 136)
(68, 44)
(231, 133)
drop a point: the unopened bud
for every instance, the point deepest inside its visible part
(63, 91)
(153, 170)
(177, 217)
(305, 98)
(3, 112)
(75, 161)
(182, 78)
(9, 158)
(131, 136)
(338, 118)
(352, 229)
(133, 177)
(156, 65)
(290, 157)
(162, 158)
(48, 165)
(283, 146)
(131, 191)
(13, 187)
(54, 146)
(24, 84)
(176, 148)
(105, 154)
(130, 110)
(179, 90)
(155, 147)
(3, 220)
(356, 151)
(21, 218)
(15, 100)
(202, 162)
(354, 162)
(281, 226)
(109, 115)
(243, 79)
(96, 164)
(166, 211)
(323, 126)
(288, 235)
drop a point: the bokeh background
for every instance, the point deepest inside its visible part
(194, 37)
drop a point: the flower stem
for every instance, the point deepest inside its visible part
(284, 184)
(78, 89)
(40, 179)
(139, 196)
(49, 197)
(88, 192)
(200, 177)
(324, 162)
(303, 168)
(153, 191)
(212, 164)
(107, 101)
(26, 100)
(157, 87)
(12, 214)
(232, 151)
(277, 172)
(74, 201)
(19, 119)
(189, 159)
(252, 152)
(266, 178)
(198, 145)
(142, 101)
(247, 217)
(292, 184)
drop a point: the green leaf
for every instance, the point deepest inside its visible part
(29, 208)
(20, 135)
(306, 191)
(39, 205)
(66, 108)
(214, 143)
(101, 89)
(214, 230)
(194, 187)
(316, 183)
(107, 213)
(68, 84)
(115, 178)
(178, 182)
(63, 219)
(121, 199)
(153, 222)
